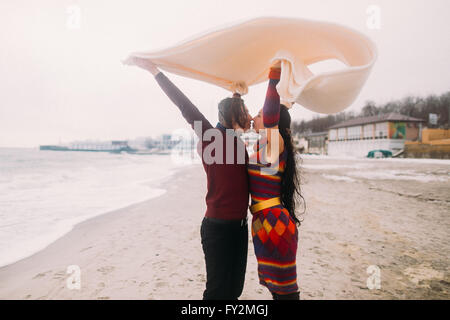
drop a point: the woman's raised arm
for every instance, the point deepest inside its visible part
(271, 111)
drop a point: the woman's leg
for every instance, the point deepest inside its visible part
(275, 243)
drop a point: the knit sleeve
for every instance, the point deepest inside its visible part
(187, 108)
(271, 109)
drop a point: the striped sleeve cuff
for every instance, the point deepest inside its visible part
(274, 73)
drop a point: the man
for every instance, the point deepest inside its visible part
(224, 230)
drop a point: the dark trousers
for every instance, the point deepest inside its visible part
(225, 245)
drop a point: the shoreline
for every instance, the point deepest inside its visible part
(134, 252)
(156, 184)
(152, 249)
(24, 268)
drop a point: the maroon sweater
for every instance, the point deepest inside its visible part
(227, 197)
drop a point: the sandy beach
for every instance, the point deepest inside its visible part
(392, 214)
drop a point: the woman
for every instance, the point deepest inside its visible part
(274, 184)
(224, 230)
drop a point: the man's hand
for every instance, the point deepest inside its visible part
(142, 63)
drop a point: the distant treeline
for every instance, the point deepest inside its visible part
(416, 107)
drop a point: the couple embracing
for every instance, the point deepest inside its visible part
(269, 175)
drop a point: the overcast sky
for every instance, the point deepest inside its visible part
(59, 83)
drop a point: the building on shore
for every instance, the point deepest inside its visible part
(312, 143)
(356, 137)
(115, 146)
(434, 143)
(160, 145)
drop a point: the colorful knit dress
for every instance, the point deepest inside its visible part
(274, 232)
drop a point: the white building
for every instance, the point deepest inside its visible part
(356, 137)
(313, 143)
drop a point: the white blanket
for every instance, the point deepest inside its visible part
(240, 55)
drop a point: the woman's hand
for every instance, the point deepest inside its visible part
(277, 65)
(142, 63)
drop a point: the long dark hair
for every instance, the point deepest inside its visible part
(290, 181)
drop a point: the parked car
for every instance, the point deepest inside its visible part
(379, 154)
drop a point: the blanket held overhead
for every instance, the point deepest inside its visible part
(240, 55)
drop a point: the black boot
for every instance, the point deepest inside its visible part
(290, 296)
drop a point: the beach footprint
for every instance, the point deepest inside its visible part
(105, 270)
(42, 274)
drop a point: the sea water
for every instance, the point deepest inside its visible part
(43, 194)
